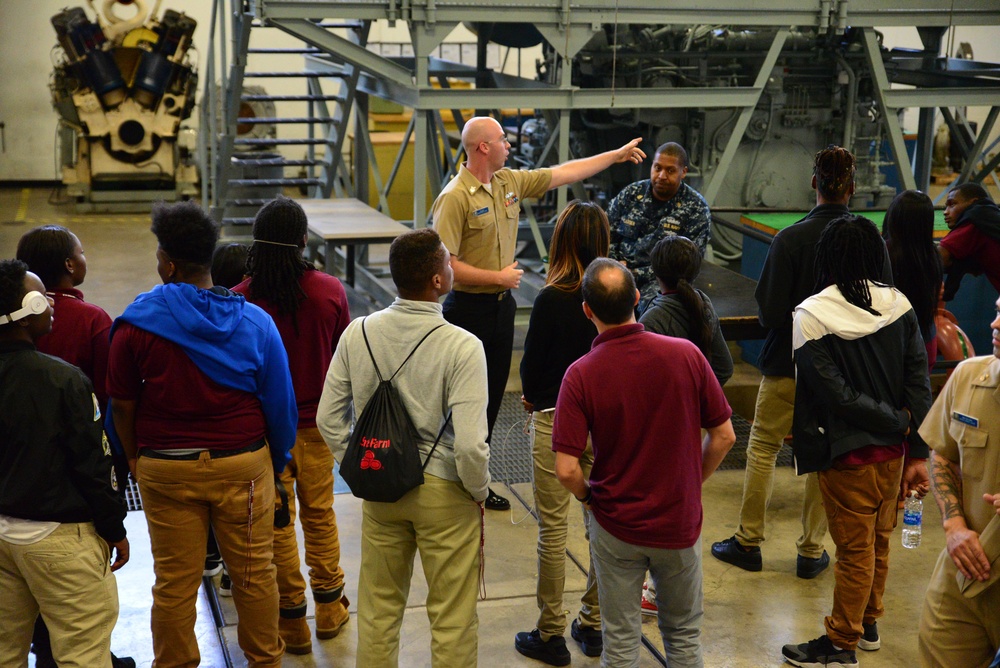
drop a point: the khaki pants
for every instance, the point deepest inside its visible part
(309, 478)
(554, 502)
(954, 630)
(772, 422)
(440, 519)
(861, 506)
(67, 576)
(236, 495)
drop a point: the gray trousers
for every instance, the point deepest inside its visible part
(621, 568)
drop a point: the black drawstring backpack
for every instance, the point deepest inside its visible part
(382, 461)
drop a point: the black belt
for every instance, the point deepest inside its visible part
(214, 454)
(481, 296)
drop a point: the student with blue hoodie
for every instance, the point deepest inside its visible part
(202, 401)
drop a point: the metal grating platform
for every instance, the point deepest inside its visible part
(510, 454)
(132, 498)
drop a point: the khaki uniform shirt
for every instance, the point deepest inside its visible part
(963, 426)
(480, 228)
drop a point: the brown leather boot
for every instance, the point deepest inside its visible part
(295, 631)
(331, 617)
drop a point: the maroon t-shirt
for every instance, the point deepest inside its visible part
(178, 405)
(967, 242)
(644, 399)
(322, 318)
(79, 336)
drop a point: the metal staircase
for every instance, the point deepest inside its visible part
(243, 172)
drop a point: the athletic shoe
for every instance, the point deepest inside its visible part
(552, 651)
(590, 639)
(807, 568)
(213, 565)
(648, 605)
(819, 653)
(731, 552)
(870, 640)
(226, 585)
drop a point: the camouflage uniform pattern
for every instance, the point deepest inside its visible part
(638, 221)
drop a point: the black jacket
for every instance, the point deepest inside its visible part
(787, 278)
(54, 463)
(856, 372)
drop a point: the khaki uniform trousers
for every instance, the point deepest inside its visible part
(67, 577)
(772, 422)
(443, 522)
(308, 477)
(553, 502)
(236, 495)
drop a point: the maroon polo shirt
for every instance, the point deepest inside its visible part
(322, 317)
(644, 399)
(79, 336)
(178, 405)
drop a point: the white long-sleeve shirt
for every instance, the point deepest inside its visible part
(447, 372)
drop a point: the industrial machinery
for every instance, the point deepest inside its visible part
(122, 87)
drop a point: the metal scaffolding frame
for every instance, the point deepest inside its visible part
(568, 25)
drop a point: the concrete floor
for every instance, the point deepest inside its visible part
(748, 616)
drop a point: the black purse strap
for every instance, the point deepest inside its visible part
(372, 355)
(436, 440)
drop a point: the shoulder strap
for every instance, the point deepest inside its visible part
(436, 440)
(411, 352)
(369, 347)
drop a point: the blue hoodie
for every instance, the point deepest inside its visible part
(230, 340)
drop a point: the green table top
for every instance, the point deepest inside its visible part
(772, 223)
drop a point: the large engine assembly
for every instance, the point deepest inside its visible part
(122, 88)
(819, 92)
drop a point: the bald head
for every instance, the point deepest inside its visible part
(609, 291)
(477, 130)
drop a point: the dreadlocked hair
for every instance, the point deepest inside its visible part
(274, 261)
(908, 230)
(833, 168)
(849, 254)
(676, 261)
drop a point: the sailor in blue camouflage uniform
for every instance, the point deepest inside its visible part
(646, 211)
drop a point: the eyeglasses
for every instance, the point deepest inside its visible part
(502, 140)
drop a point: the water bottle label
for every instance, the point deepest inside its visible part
(911, 518)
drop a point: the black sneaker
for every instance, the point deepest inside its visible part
(122, 662)
(819, 653)
(553, 651)
(496, 502)
(213, 565)
(589, 638)
(870, 641)
(807, 568)
(731, 552)
(226, 585)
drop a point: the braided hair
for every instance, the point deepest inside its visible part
(833, 168)
(676, 261)
(849, 254)
(274, 261)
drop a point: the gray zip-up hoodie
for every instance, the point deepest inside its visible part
(447, 372)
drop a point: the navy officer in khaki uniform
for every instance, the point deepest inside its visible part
(476, 216)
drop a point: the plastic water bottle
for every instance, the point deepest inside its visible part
(913, 512)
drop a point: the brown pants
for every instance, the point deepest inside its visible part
(308, 478)
(236, 495)
(860, 503)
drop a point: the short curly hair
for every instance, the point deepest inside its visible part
(11, 286)
(185, 232)
(414, 258)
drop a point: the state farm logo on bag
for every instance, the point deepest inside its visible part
(382, 461)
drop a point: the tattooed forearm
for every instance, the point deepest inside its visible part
(946, 481)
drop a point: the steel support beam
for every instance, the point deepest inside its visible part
(933, 97)
(888, 116)
(719, 173)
